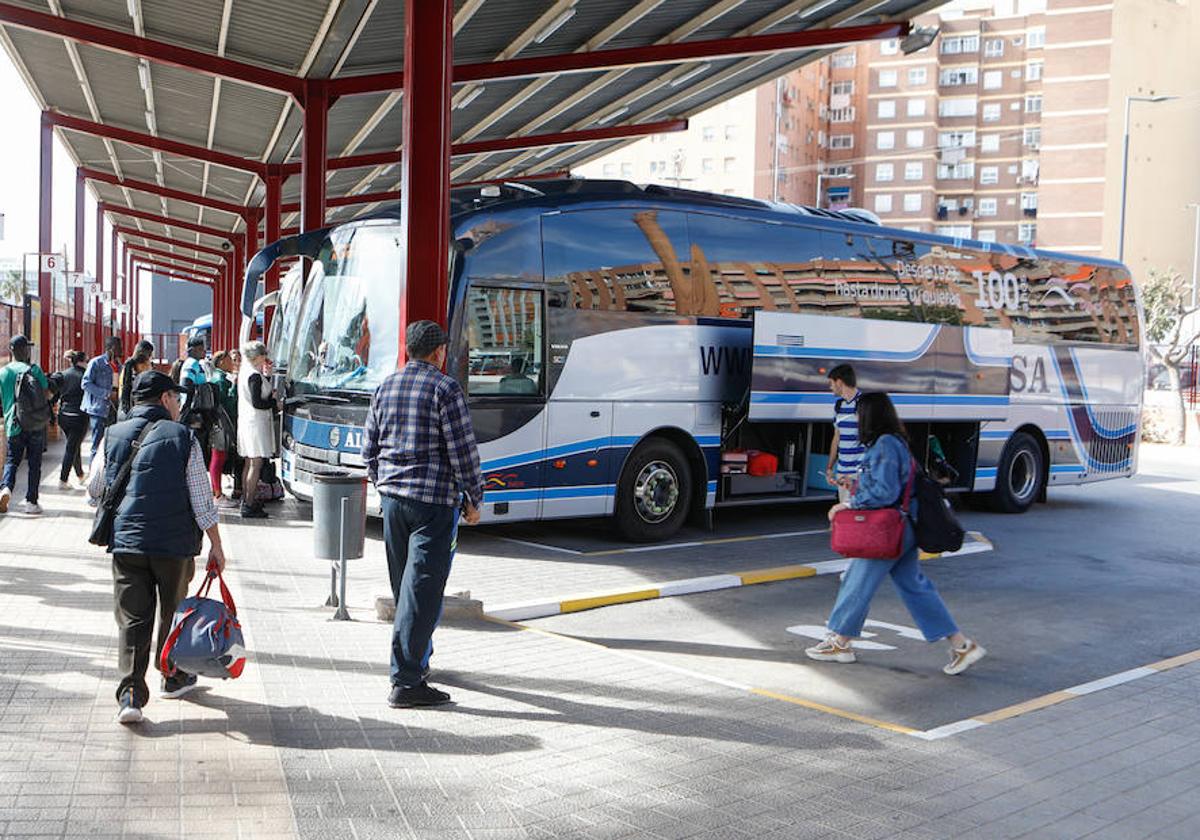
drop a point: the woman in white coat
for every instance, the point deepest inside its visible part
(256, 434)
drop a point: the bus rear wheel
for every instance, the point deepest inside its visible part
(654, 493)
(1020, 477)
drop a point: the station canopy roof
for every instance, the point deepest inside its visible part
(337, 39)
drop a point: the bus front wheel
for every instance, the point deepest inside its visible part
(654, 493)
(1020, 476)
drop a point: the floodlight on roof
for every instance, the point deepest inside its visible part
(144, 74)
(920, 38)
(552, 27)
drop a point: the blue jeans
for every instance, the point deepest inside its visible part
(99, 424)
(420, 540)
(25, 444)
(920, 596)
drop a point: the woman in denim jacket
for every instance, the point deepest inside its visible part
(881, 482)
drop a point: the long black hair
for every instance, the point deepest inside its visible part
(877, 417)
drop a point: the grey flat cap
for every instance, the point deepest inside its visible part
(423, 337)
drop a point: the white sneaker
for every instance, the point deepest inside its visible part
(831, 650)
(5, 498)
(31, 508)
(964, 657)
(66, 485)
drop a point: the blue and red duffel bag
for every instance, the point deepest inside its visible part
(206, 638)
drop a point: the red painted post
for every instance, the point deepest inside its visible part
(113, 280)
(314, 151)
(425, 167)
(98, 338)
(77, 296)
(43, 335)
(273, 218)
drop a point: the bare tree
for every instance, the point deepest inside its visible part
(1172, 327)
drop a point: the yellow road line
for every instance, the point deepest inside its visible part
(830, 710)
(1176, 661)
(1028, 706)
(578, 604)
(775, 574)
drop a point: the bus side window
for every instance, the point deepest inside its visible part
(623, 260)
(504, 342)
(753, 265)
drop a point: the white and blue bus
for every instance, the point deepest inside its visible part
(622, 347)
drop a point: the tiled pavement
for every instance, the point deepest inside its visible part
(549, 738)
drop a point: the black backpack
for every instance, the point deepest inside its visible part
(33, 409)
(937, 528)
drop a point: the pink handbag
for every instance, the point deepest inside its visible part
(876, 534)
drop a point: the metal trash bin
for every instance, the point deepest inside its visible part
(339, 527)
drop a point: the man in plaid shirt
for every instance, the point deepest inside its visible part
(421, 455)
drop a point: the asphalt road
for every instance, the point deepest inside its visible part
(1100, 579)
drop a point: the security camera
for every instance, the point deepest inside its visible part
(226, 245)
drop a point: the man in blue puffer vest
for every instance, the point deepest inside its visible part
(158, 531)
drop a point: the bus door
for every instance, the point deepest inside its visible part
(506, 387)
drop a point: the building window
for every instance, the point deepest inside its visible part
(838, 171)
(1033, 103)
(707, 165)
(1036, 38)
(989, 175)
(653, 166)
(916, 107)
(1032, 137)
(965, 169)
(626, 170)
(912, 202)
(1027, 233)
(841, 115)
(708, 133)
(993, 80)
(956, 139)
(883, 203)
(914, 138)
(955, 76)
(987, 206)
(1029, 170)
(918, 75)
(844, 88)
(841, 141)
(884, 172)
(1029, 201)
(956, 44)
(914, 170)
(989, 143)
(730, 165)
(731, 132)
(991, 112)
(887, 78)
(993, 47)
(1033, 71)
(889, 47)
(885, 140)
(610, 170)
(887, 108)
(820, 138)
(956, 107)
(957, 231)
(986, 235)
(844, 60)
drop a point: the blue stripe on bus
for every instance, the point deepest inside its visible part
(813, 398)
(576, 448)
(846, 353)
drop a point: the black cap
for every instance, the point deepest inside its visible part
(19, 341)
(423, 337)
(152, 384)
(196, 341)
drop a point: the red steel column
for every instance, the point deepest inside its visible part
(253, 243)
(313, 152)
(274, 216)
(113, 280)
(45, 237)
(98, 338)
(425, 165)
(76, 341)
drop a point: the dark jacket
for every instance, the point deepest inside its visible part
(155, 517)
(67, 386)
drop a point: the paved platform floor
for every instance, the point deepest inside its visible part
(549, 738)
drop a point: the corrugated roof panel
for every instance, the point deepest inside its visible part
(245, 119)
(183, 173)
(48, 63)
(272, 34)
(380, 47)
(120, 99)
(88, 150)
(182, 102)
(347, 116)
(660, 22)
(110, 13)
(197, 25)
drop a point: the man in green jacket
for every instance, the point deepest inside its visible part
(21, 442)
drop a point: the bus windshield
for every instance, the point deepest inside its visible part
(287, 312)
(347, 336)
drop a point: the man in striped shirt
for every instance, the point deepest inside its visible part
(847, 450)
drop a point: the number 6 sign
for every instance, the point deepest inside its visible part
(51, 262)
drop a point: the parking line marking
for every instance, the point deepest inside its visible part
(1108, 682)
(531, 544)
(1027, 706)
(831, 710)
(776, 574)
(701, 543)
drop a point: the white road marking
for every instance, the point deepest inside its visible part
(816, 631)
(1110, 681)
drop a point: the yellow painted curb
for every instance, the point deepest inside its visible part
(1028, 706)
(579, 604)
(1176, 661)
(777, 573)
(830, 710)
